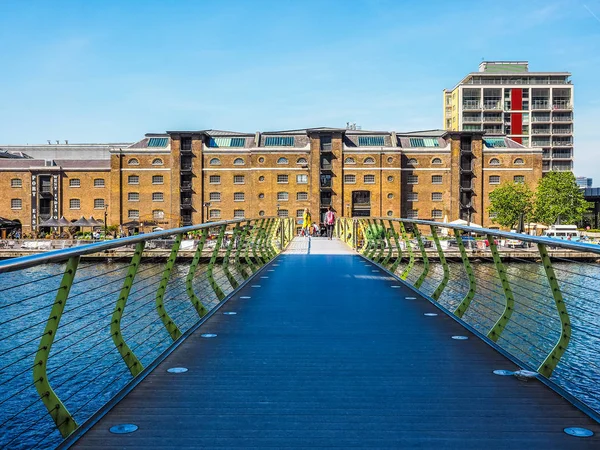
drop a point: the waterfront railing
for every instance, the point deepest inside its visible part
(535, 299)
(79, 325)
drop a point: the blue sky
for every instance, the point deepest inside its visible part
(99, 71)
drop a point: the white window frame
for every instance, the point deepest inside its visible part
(71, 203)
(214, 197)
(214, 214)
(349, 179)
(134, 183)
(97, 185)
(283, 196)
(435, 194)
(156, 177)
(301, 196)
(369, 178)
(412, 179)
(236, 214)
(16, 201)
(16, 183)
(300, 177)
(239, 179)
(130, 194)
(75, 182)
(158, 196)
(281, 177)
(133, 213)
(99, 207)
(437, 179)
(496, 179)
(239, 197)
(214, 179)
(412, 197)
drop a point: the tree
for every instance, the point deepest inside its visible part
(558, 199)
(509, 202)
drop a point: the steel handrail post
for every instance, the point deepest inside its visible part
(496, 331)
(65, 423)
(211, 264)
(262, 246)
(397, 242)
(131, 361)
(423, 275)
(238, 251)
(365, 246)
(198, 305)
(547, 367)
(436, 294)
(170, 326)
(464, 304)
(411, 255)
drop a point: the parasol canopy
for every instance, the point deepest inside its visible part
(62, 222)
(82, 222)
(51, 222)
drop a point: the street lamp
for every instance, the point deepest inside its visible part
(105, 222)
(206, 205)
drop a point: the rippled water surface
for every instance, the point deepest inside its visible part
(86, 371)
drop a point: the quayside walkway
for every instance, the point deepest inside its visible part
(322, 348)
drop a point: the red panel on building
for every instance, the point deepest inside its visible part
(516, 119)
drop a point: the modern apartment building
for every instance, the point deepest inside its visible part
(189, 177)
(532, 108)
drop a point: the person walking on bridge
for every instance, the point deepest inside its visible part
(306, 222)
(329, 222)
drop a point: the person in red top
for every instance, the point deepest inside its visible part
(329, 222)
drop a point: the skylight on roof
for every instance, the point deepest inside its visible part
(494, 142)
(279, 141)
(227, 142)
(424, 142)
(157, 142)
(371, 141)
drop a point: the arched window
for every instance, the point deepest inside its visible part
(157, 162)
(238, 162)
(494, 162)
(349, 161)
(412, 162)
(519, 162)
(133, 162)
(282, 161)
(436, 161)
(215, 162)
(302, 161)
(369, 160)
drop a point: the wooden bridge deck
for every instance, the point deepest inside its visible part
(328, 352)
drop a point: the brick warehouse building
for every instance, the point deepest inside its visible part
(185, 177)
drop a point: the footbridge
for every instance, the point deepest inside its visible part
(396, 333)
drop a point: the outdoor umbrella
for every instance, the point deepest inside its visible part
(132, 224)
(96, 223)
(62, 222)
(51, 222)
(82, 222)
(7, 223)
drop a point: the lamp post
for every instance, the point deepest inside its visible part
(206, 205)
(105, 222)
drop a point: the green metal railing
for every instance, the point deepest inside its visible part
(538, 302)
(100, 313)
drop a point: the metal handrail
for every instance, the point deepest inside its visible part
(24, 262)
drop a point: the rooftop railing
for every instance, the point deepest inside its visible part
(79, 325)
(534, 299)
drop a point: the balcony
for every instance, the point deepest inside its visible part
(326, 166)
(540, 131)
(562, 142)
(493, 130)
(326, 202)
(562, 130)
(540, 119)
(466, 185)
(492, 105)
(471, 104)
(492, 118)
(540, 104)
(561, 154)
(186, 186)
(466, 167)
(566, 118)
(562, 167)
(540, 143)
(187, 167)
(186, 219)
(471, 119)
(561, 104)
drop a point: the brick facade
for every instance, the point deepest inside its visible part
(180, 178)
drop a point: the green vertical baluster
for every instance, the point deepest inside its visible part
(249, 242)
(133, 364)
(277, 235)
(256, 242)
(365, 246)
(388, 244)
(411, 255)
(242, 232)
(382, 240)
(549, 364)
(462, 307)
(172, 329)
(397, 242)
(420, 280)
(59, 413)
(374, 241)
(268, 250)
(496, 331)
(200, 308)
(211, 265)
(444, 282)
(232, 281)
